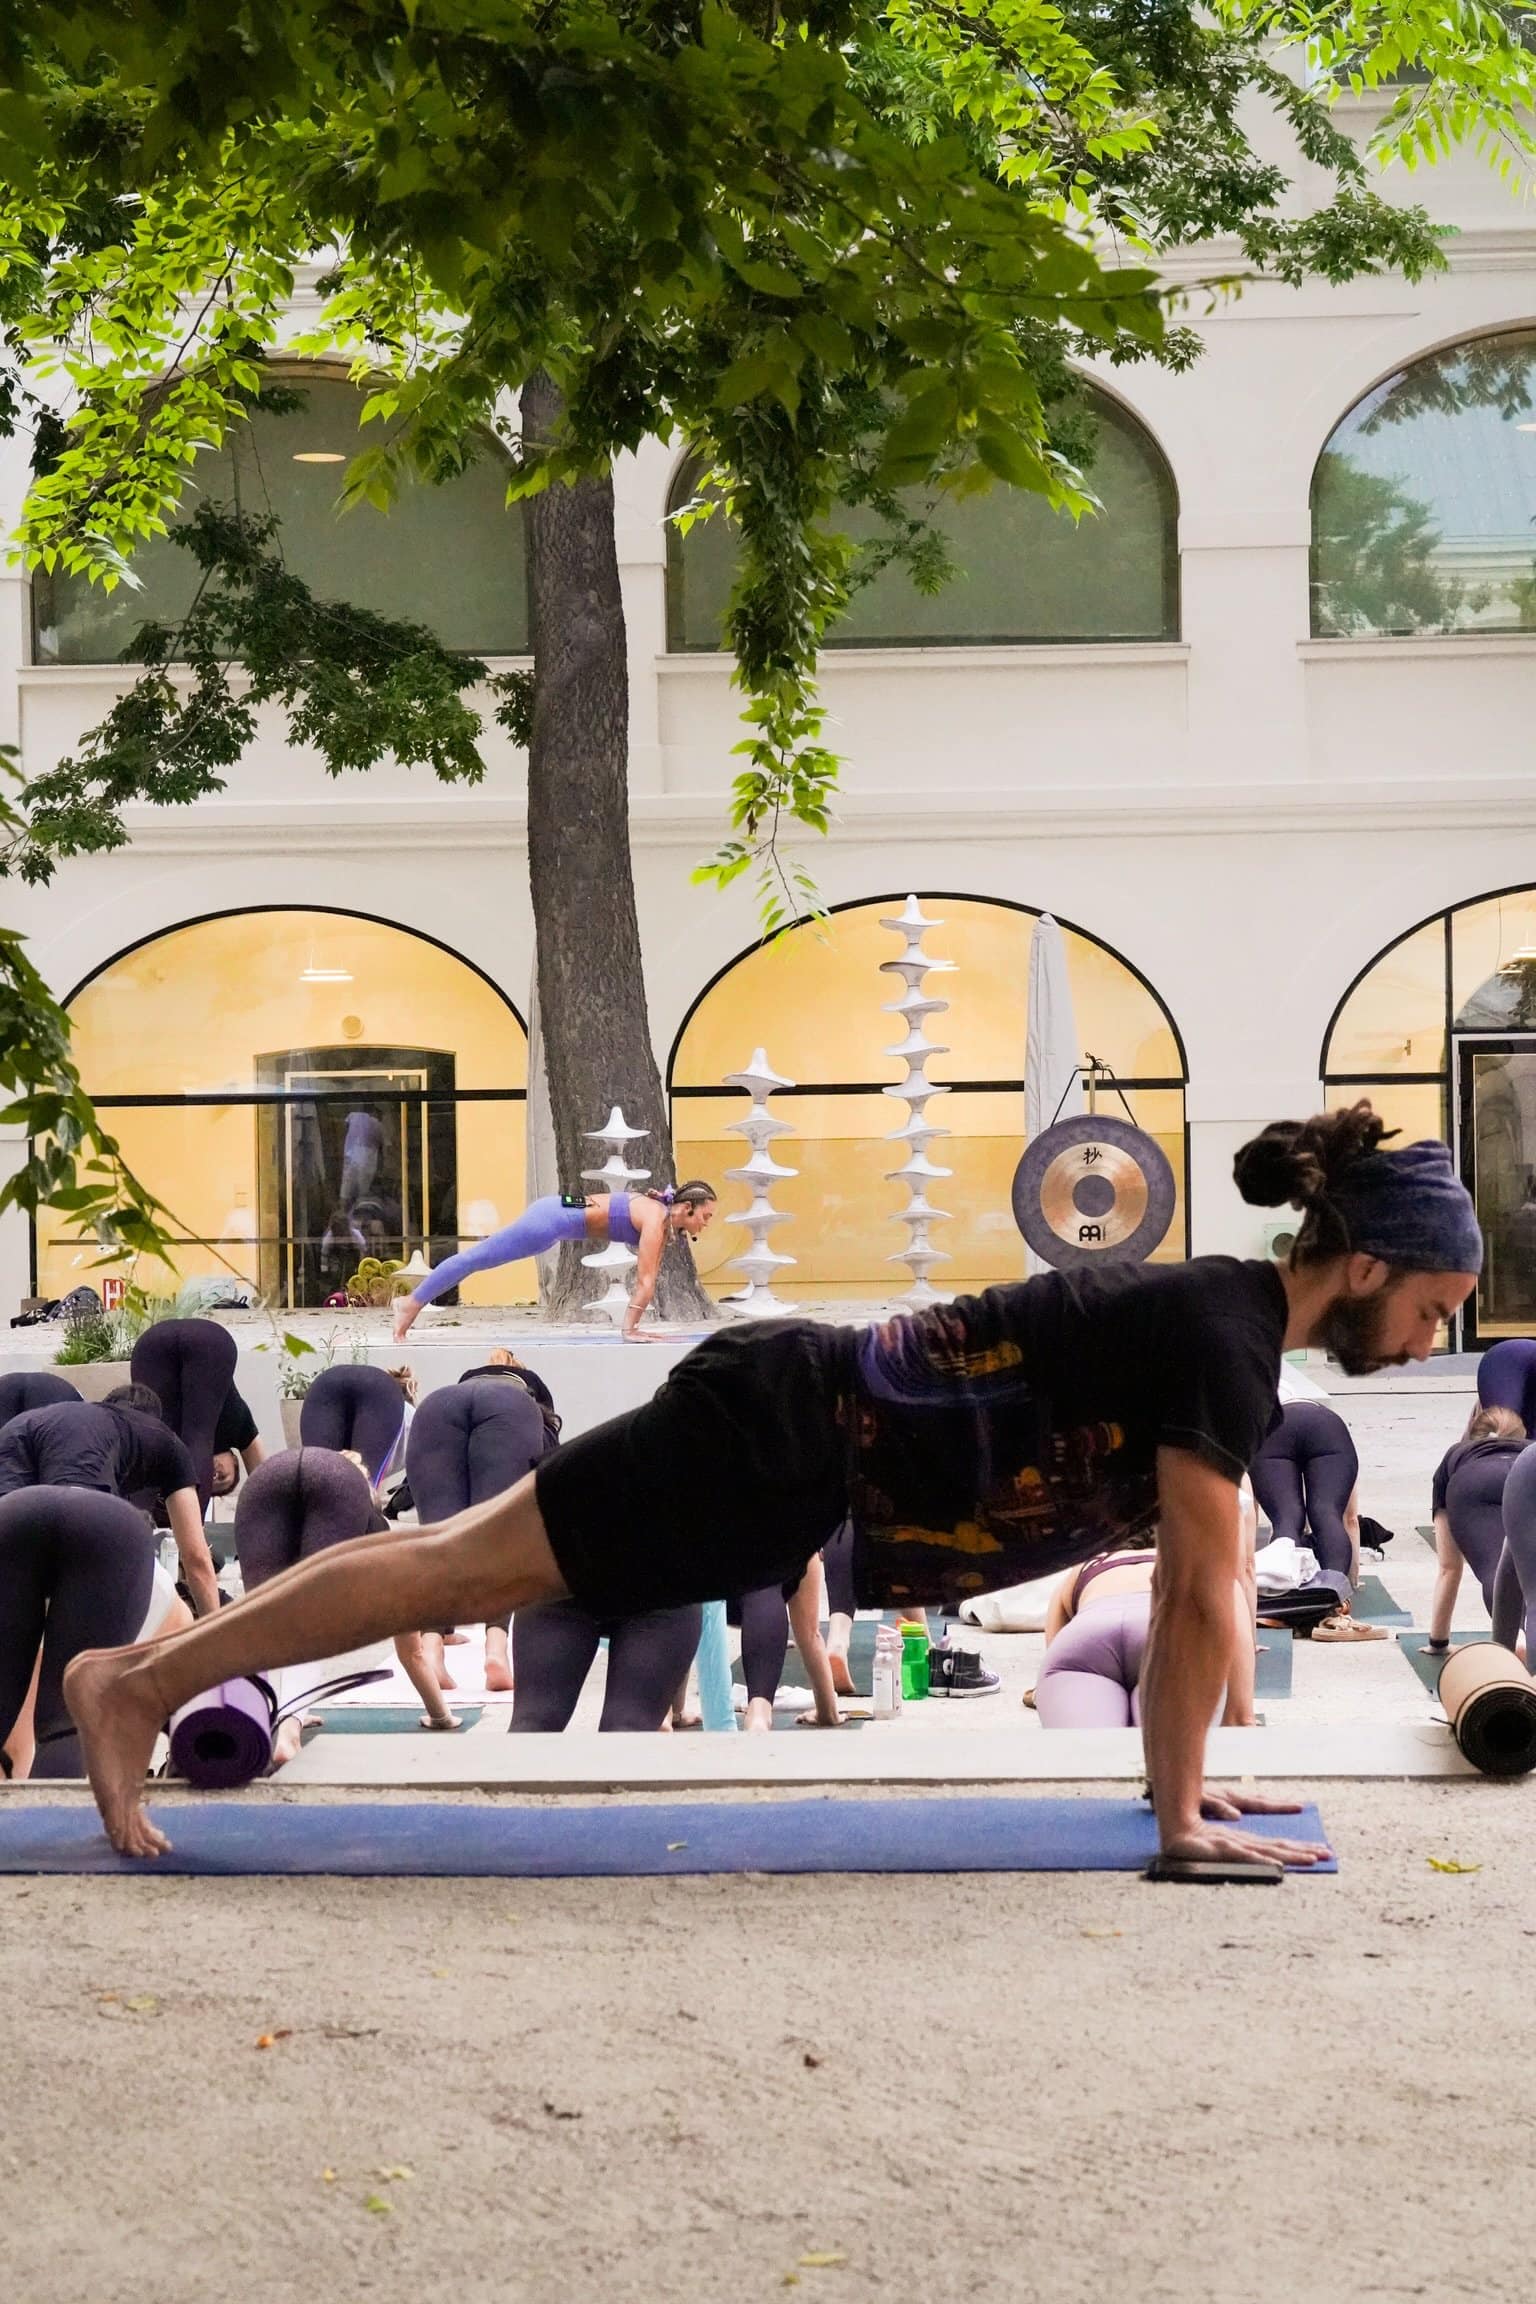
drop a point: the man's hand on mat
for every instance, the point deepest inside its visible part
(1226, 1806)
(1217, 1844)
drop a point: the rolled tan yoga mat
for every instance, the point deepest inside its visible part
(1490, 1700)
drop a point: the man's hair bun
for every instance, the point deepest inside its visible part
(1296, 1163)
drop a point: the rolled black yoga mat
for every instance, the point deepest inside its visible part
(1490, 1701)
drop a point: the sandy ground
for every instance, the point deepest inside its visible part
(677, 2092)
(1056, 2087)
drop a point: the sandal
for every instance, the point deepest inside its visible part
(1342, 1627)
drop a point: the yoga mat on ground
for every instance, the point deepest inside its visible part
(1428, 1535)
(1374, 1604)
(384, 1719)
(1272, 1665)
(861, 1660)
(432, 1841)
(1428, 1667)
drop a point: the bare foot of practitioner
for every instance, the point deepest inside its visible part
(759, 1716)
(112, 1700)
(498, 1664)
(432, 1649)
(842, 1677)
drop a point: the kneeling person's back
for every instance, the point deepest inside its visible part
(111, 1445)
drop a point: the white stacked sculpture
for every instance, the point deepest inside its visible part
(761, 1171)
(615, 1175)
(917, 1171)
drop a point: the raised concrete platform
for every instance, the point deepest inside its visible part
(582, 1760)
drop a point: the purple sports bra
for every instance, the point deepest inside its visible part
(621, 1223)
(1101, 1567)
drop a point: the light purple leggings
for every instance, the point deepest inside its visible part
(1093, 1665)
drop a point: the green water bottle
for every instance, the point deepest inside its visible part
(914, 1662)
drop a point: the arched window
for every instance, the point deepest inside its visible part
(451, 557)
(1025, 573)
(302, 1089)
(1424, 499)
(1440, 1032)
(814, 1000)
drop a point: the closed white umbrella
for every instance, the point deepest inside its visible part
(1053, 1083)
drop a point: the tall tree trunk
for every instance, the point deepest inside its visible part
(597, 1038)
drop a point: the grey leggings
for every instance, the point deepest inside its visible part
(356, 1407)
(76, 1571)
(552, 1652)
(1093, 1666)
(469, 1442)
(295, 1505)
(1303, 1478)
(1514, 1587)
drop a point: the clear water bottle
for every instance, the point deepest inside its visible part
(885, 1683)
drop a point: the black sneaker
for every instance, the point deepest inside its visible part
(960, 1672)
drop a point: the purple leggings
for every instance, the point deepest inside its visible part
(543, 1224)
(1093, 1665)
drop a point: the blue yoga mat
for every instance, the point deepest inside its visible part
(421, 1840)
(385, 1719)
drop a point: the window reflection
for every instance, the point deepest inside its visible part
(1022, 571)
(451, 557)
(1424, 499)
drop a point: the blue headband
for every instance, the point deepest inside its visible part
(1410, 1208)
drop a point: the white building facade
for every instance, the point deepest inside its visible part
(1239, 814)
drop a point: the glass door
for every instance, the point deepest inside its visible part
(1496, 1109)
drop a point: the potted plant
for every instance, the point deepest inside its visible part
(95, 1348)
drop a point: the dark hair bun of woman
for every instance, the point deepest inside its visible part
(1296, 1163)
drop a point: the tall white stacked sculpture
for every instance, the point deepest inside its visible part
(917, 1171)
(762, 1172)
(615, 1175)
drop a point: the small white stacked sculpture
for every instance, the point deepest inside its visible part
(761, 1171)
(917, 1171)
(615, 1175)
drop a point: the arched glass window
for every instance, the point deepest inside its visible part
(302, 1089)
(1440, 1032)
(450, 557)
(814, 1000)
(1424, 499)
(1024, 572)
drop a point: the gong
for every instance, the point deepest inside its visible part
(1093, 1190)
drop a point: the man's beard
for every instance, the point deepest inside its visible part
(1351, 1330)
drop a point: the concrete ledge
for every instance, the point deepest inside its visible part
(583, 1760)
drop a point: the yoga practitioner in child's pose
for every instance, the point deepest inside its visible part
(638, 1220)
(976, 1444)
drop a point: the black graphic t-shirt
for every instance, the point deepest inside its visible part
(1003, 1436)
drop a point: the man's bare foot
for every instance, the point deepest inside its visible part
(842, 1678)
(118, 1717)
(684, 1716)
(432, 1650)
(759, 1717)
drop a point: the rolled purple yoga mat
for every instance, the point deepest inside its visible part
(224, 1738)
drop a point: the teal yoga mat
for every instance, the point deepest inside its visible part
(480, 1840)
(1272, 1665)
(1374, 1604)
(384, 1719)
(1429, 1667)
